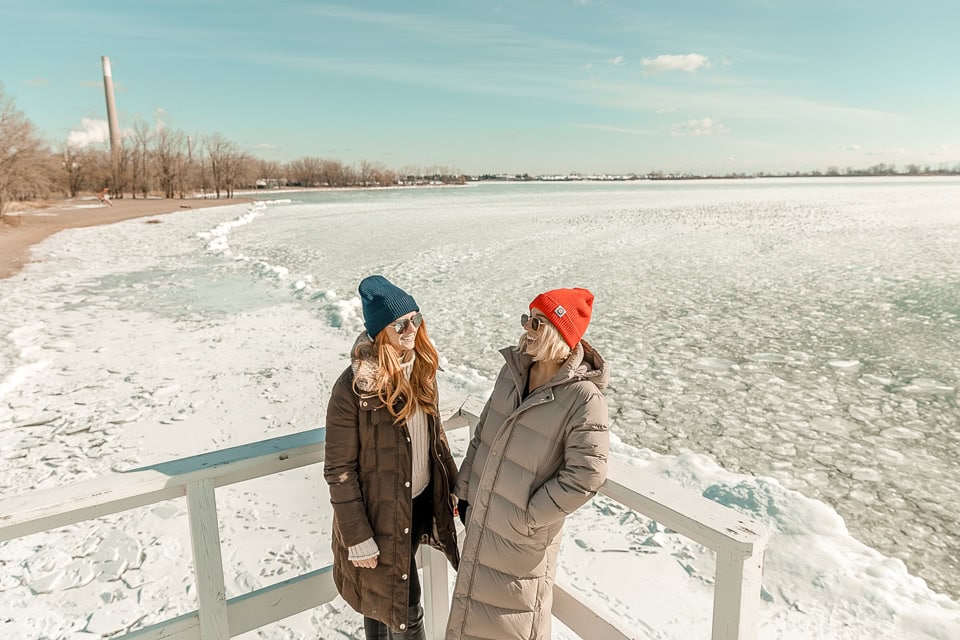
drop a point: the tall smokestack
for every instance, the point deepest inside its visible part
(111, 108)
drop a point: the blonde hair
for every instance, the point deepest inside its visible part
(549, 345)
(390, 384)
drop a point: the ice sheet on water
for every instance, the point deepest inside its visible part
(803, 314)
(161, 327)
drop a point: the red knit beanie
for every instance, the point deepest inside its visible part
(568, 310)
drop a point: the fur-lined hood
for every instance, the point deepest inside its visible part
(364, 362)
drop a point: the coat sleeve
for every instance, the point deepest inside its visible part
(584, 468)
(341, 463)
(446, 456)
(463, 481)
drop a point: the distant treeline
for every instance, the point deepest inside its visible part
(170, 163)
(876, 170)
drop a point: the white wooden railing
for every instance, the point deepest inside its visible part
(738, 541)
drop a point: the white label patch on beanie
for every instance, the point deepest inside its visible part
(560, 311)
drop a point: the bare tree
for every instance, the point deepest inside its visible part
(219, 152)
(334, 174)
(203, 177)
(365, 172)
(140, 159)
(168, 149)
(381, 176)
(120, 168)
(75, 168)
(270, 171)
(307, 171)
(238, 169)
(24, 160)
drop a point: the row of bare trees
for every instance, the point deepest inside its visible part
(168, 162)
(150, 161)
(26, 171)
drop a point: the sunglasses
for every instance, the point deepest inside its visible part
(534, 322)
(401, 326)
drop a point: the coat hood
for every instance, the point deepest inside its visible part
(583, 363)
(364, 362)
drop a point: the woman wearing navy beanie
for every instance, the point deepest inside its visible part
(388, 464)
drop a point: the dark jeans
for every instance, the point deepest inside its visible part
(422, 523)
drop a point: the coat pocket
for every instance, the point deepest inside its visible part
(517, 519)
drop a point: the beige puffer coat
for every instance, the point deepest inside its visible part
(368, 464)
(530, 463)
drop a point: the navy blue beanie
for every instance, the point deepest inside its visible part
(383, 302)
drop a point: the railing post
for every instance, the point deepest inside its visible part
(207, 561)
(736, 594)
(436, 596)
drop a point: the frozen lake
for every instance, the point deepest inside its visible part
(801, 330)
(807, 330)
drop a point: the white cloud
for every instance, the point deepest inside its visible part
(852, 147)
(696, 128)
(160, 118)
(91, 132)
(619, 60)
(887, 151)
(38, 82)
(666, 110)
(603, 127)
(688, 62)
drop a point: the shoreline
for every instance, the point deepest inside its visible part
(35, 225)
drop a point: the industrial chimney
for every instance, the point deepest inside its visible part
(111, 109)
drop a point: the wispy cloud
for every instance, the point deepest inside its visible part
(611, 129)
(696, 128)
(689, 62)
(617, 61)
(887, 151)
(38, 82)
(118, 87)
(499, 36)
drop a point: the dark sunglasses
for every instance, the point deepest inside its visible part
(401, 326)
(534, 322)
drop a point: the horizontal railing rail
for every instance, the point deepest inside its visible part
(738, 541)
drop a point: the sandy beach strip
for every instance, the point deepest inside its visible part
(31, 227)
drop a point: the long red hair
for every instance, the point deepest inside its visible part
(390, 384)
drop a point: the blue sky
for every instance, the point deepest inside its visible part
(528, 86)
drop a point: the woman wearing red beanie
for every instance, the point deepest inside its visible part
(538, 453)
(388, 464)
